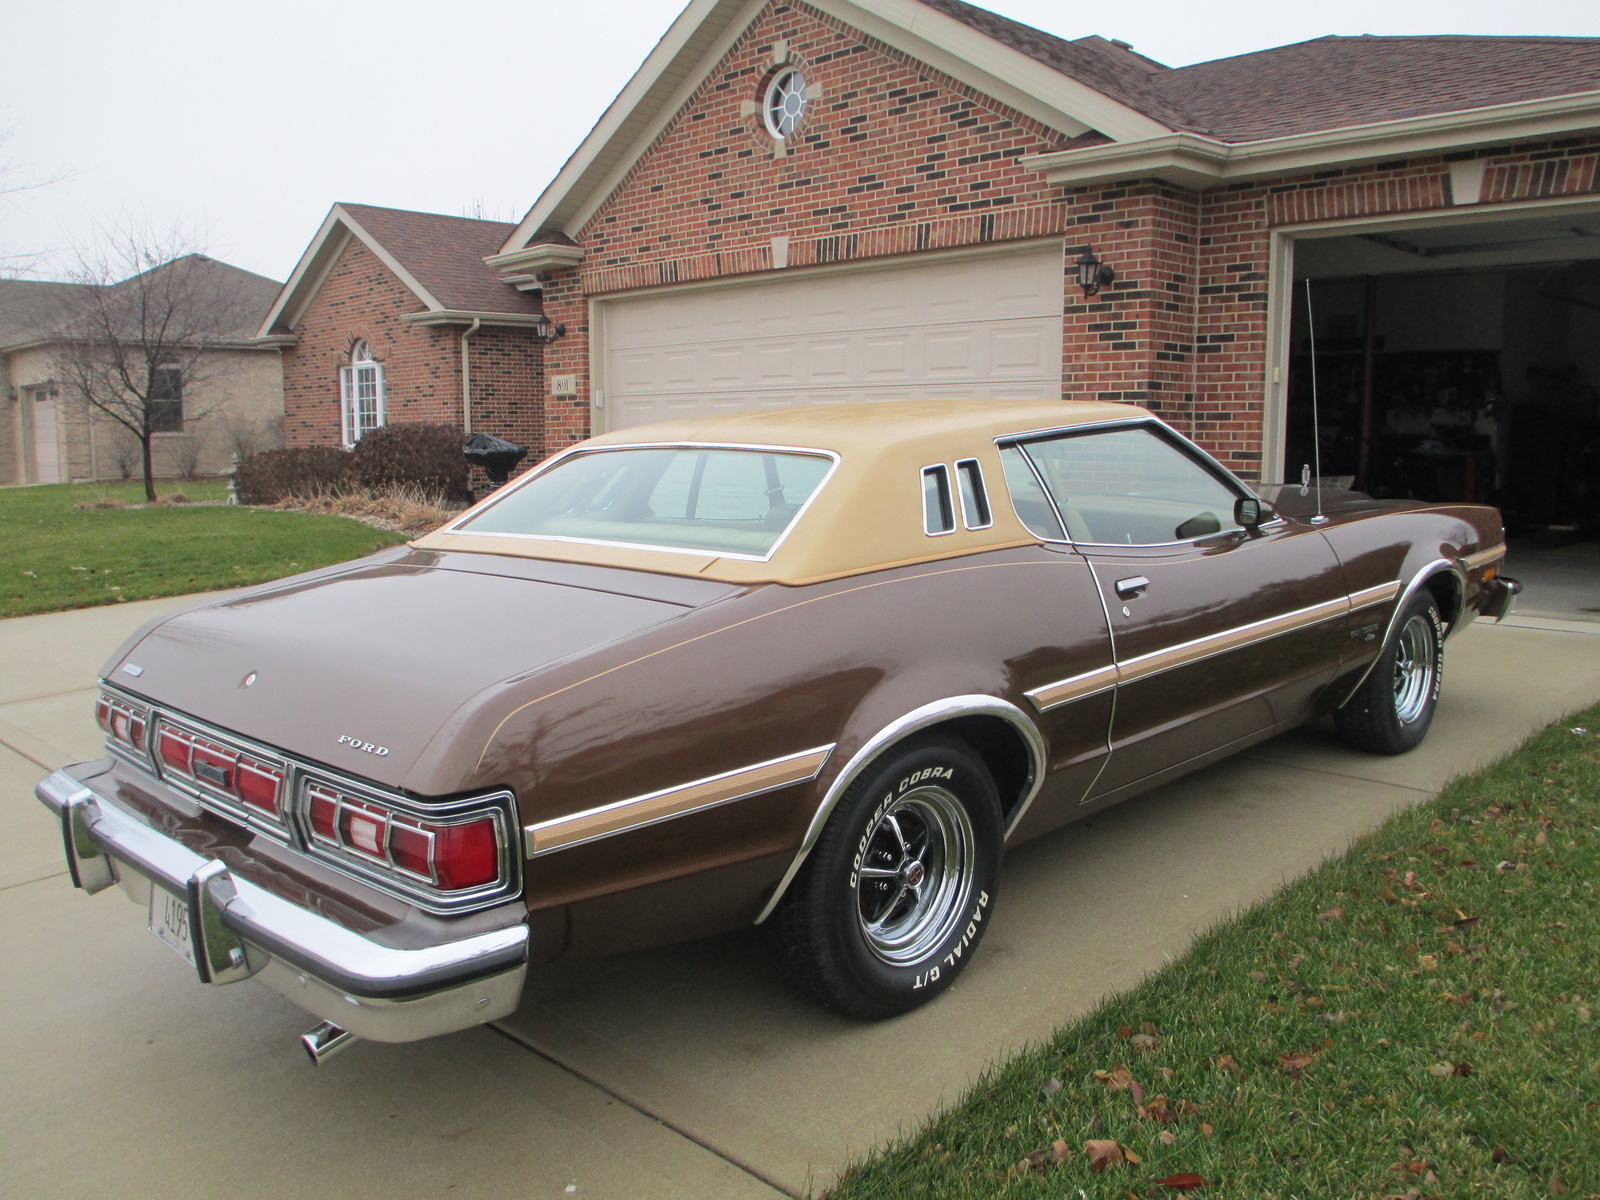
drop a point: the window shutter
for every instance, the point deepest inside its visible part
(382, 418)
(346, 401)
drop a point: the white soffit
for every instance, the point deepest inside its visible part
(707, 29)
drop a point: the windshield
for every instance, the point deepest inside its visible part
(715, 501)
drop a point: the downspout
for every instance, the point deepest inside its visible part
(466, 376)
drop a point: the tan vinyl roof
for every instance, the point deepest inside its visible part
(867, 515)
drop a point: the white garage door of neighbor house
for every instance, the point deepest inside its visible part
(986, 326)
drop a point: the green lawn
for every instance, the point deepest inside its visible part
(1415, 1019)
(53, 556)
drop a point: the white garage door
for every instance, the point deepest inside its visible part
(985, 326)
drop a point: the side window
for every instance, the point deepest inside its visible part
(938, 513)
(166, 400)
(1131, 487)
(1028, 498)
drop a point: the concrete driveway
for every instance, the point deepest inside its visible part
(689, 1071)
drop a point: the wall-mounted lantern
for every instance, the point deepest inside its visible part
(1092, 273)
(548, 331)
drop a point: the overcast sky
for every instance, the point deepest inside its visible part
(250, 120)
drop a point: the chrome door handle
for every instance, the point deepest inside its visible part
(1127, 589)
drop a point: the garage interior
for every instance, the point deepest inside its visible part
(1462, 362)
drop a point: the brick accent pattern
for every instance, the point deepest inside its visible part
(361, 299)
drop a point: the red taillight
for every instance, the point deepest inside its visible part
(449, 857)
(174, 749)
(122, 721)
(220, 771)
(324, 813)
(466, 855)
(259, 786)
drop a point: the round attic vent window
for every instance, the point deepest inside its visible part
(786, 103)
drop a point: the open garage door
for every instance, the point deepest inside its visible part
(986, 326)
(1462, 362)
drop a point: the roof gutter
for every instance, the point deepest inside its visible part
(1196, 161)
(463, 316)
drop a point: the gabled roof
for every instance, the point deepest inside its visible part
(33, 311)
(707, 29)
(438, 258)
(1099, 93)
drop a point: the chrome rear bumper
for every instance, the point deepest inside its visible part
(241, 931)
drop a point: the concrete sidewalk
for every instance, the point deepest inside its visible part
(691, 1070)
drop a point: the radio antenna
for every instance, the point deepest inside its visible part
(1316, 425)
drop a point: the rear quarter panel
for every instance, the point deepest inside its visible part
(773, 672)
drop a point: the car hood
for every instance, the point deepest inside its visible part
(381, 654)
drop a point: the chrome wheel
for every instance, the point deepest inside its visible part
(1415, 666)
(916, 875)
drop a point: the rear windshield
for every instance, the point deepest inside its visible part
(714, 501)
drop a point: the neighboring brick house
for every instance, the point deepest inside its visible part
(47, 433)
(844, 200)
(392, 316)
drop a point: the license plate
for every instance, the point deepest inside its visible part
(169, 921)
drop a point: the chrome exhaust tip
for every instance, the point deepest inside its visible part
(326, 1040)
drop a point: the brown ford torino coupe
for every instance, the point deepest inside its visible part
(815, 668)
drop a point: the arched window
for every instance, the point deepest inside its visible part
(360, 394)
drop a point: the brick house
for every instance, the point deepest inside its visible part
(846, 200)
(393, 316)
(234, 400)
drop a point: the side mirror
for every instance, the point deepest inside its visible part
(1249, 512)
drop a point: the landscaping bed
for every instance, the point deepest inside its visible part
(1413, 1019)
(77, 545)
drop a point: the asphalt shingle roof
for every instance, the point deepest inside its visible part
(445, 255)
(34, 310)
(1327, 83)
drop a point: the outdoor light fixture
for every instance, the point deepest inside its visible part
(546, 330)
(1092, 273)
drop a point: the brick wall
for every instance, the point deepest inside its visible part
(362, 300)
(896, 158)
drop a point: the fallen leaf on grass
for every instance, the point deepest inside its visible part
(1051, 1086)
(1499, 1155)
(1117, 1079)
(1168, 1138)
(1187, 1181)
(1225, 1063)
(1206, 1130)
(1144, 1042)
(1332, 914)
(1442, 1069)
(1103, 1154)
(1292, 1064)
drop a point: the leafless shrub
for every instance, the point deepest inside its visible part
(186, 455)
(401, 509)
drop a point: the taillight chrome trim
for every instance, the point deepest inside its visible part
(139, 758)
(496, 805)
(202, 790)
(295, 829)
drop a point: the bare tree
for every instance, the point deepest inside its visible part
(14, 181)
(134, 338)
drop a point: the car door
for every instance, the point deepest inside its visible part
(1219, 633)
